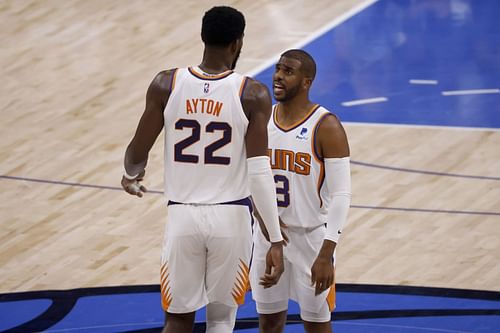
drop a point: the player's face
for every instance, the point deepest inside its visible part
(287, 79)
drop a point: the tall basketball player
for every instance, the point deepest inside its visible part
(215, 124)
(310, 161)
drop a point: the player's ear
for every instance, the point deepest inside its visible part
(236, 45)
(307, 82)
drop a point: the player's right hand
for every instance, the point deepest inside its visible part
(274, 265)
(133, 186)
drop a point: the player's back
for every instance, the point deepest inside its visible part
(205, 127)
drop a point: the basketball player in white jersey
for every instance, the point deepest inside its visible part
(310, 161)
(215, 124)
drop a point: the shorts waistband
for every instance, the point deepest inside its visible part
(302, 230)
(243, 202)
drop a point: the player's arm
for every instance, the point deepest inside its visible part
(283, 226)
(256, 102)
(148, 129)
(334, 148)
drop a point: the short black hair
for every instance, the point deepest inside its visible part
(307, 63)
(222, 25)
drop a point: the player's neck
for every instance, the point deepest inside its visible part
(216, 61)
(294, 110)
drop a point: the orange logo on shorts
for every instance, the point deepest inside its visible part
(166, 294)
(242, 283)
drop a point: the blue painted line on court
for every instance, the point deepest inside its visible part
(423, 210)
(424, 172)
(402, 209)
(58, 182)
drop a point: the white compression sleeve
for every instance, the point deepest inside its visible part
(338, 180)
(263, 190)
(220, 318)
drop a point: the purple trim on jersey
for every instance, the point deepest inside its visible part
(315, 108)
(208, 78)
(243, 88)
(320, 120)
(172, 79)
(242, 202)
(319, 157)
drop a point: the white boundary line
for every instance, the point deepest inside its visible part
(364, 101)
(470, 92)
(452, 128)
(335, 22)
(416, 81)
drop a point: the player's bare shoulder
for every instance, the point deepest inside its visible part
(331, 124)
(332, 137)
(255, 90)
(160, 88)
(256, 97)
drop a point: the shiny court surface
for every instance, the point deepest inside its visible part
(416, 83)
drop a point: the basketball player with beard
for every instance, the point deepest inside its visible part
(310, 161)
(215, 124)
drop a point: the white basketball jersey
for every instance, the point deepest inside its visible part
(205, 128)
(298, 170)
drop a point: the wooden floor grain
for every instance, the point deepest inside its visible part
(74, 76)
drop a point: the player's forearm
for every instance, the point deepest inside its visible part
(135, 160)
(263, 192)
(327, 249)
(338, 177)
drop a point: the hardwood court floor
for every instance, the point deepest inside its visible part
(73, 84)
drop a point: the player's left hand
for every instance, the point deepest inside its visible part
(322, 274)
(133, 186)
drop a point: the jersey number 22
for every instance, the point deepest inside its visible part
(209, 157)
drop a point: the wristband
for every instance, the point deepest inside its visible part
(129, 177)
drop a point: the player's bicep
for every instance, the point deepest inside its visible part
(151, 122)
(332, 137)
(257, 105)
(256, 138)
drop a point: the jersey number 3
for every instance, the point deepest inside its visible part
(282, 190)
(195, 127)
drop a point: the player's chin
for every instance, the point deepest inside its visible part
(280, 97)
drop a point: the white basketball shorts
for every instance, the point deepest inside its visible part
(295, 283)
(206, 255)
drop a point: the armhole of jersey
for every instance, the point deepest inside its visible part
(318, 157)
(314, 146)
(243, 86)
(172, 86)
(172, 80)
(272, 120)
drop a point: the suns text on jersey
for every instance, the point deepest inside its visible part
(297, 162)
(203, 105)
